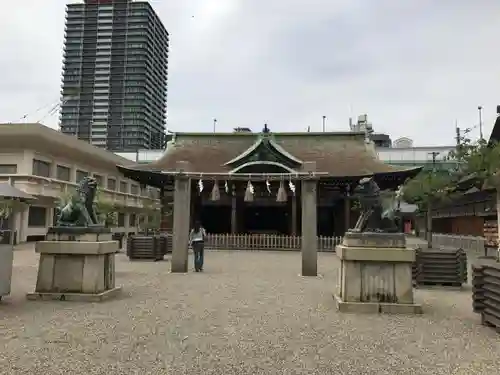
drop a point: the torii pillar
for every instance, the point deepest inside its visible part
(309, 224)
(182, 202)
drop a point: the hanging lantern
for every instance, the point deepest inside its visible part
(291, 186)
(200, 185)
(249, 192)
(282, 196)
(268, 186)
(215, 195)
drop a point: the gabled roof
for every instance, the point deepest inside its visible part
(264, 141)
(337, 154)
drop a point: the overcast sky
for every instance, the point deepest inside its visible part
(414, 66)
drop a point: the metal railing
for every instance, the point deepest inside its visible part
(266, 242)
(468, 243)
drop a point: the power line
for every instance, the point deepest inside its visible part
(26, 115)
(51, 112)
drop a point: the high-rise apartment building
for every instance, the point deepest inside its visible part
(114, 92)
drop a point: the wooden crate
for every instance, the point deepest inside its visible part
(152, 247)
(443, 267)
(486, 292)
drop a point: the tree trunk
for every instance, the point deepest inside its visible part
(429, 226)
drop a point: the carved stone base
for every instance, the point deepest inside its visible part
(96, 233)
(80, 268)
(374, 240)
(374, 278)
(376, 307)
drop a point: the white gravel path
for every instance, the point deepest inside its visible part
(248, 313)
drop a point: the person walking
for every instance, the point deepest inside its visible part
(197, 240)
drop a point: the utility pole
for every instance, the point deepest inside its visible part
(480, 110)
(434, 154)
(324, 124)
(457, 130)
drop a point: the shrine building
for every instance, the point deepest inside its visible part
(246, 182)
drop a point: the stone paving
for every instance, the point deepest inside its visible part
(248, 313)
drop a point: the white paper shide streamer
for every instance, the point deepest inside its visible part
(291, 186)
(268, 186)
(226, 187)
(200, 185)
(249, 192)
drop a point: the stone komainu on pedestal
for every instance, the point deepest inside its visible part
(376, 266)
(77, 259)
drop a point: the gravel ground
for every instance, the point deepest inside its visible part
(248, 313)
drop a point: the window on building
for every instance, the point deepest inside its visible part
(63, 173)
(132, 220)
(99, 179)
(111, 184)
(8, 168)
(123, 187)
(80, 175)
(134, 189)
(37, 216)
(121, 219)
(41, 168)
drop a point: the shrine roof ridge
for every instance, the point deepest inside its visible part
(256, 134)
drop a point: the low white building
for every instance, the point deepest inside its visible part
(48, 164)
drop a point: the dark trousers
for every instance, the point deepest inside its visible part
(198, 250)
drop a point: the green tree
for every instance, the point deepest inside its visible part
(6, 209)
(426, 190)
(153, 212)
(478, 160)
(106, 210)
(477, 163)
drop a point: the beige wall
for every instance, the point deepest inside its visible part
(47, 189)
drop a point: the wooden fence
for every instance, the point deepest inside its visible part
(468, 243)
(266, 242)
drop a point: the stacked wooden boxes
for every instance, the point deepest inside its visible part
(445, 267)
(477, 288)
(486, 292)
(148, 247)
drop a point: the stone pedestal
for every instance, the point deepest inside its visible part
(375, 274)
(76, 264)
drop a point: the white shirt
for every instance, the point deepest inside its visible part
(197, 236)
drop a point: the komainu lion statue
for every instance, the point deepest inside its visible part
(373, 217)
(79, 210)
